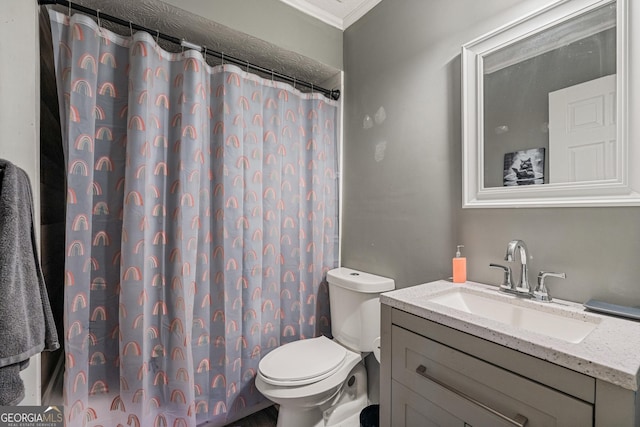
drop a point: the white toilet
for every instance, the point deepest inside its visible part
(322, 382)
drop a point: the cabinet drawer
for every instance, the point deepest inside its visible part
(414, 358)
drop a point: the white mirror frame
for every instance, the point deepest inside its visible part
(624, 190)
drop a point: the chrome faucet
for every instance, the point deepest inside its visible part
(523, 288)
(514, 247)
(507, 282)
(541, 293)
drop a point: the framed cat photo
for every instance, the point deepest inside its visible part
(524, 167)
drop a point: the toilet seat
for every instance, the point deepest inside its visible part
(302, 362)
(314, 393)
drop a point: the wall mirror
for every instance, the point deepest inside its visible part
(545, 104)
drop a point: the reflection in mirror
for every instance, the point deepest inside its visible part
(550, 104)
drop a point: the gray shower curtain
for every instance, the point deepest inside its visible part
(201, 220)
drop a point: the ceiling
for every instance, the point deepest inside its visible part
(338, 13)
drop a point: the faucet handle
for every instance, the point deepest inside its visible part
(541, 293)
(507, 282)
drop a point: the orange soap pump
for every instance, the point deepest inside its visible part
(459, 267)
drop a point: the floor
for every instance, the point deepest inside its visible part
(265, 418)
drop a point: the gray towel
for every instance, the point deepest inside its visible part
(26, 321)
(11, 385)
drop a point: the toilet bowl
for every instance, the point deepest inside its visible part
(323, 382)
(305, 399)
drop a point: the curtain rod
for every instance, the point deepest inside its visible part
(330, 93)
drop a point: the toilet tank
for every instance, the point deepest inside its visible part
(354, 300)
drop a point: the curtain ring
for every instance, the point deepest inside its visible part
(182, 44)
(247, 66)
(294, 82)
(69, 2)
(271, 76)
(131, 28)
(98, 16)
(204, 55)
(222, 58)
(157, 36)
(311, 88)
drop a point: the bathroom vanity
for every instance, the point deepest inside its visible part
(470, 355)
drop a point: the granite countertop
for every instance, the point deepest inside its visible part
(611, 352)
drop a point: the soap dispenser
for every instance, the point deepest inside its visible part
(459, 267)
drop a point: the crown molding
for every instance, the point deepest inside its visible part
(359, 12)
(316, 12)
(329, 18)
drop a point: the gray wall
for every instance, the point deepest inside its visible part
(274, 22)
(402, 215)
(20, 121)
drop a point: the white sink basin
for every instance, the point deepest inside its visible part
(504, 310)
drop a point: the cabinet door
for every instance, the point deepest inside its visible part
(439, 408)
(421, 364)
(409, 409)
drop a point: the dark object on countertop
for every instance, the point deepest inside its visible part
(26, 320)
(617, 310)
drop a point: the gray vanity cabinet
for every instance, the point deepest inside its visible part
(433, 375)
(446, 381)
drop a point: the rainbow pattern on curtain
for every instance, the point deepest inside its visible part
(201, 221)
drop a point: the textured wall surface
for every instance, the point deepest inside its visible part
(402, 214)
(275, 22)
(200, 25)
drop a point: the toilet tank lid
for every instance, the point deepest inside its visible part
(359, 281)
